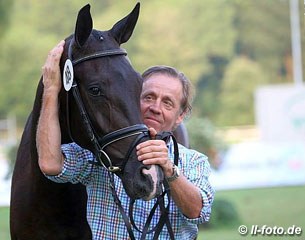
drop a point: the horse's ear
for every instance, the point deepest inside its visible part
(83, 26)
(123, 29)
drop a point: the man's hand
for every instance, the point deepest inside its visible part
(155, 152)
(50, 70)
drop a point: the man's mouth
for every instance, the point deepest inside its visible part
(152, 119)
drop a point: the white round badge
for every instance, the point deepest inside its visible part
(68, 75)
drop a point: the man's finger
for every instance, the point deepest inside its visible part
(152, 133)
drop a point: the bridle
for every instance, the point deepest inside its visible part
(100, 143)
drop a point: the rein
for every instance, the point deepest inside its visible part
(99, 143)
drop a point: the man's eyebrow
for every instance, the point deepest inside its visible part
(149, 91)
(146, 93)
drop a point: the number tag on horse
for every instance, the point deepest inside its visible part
(68, 75)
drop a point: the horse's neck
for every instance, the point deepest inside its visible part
(36, 114)
(28, 140)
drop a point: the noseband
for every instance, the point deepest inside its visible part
(99, 143)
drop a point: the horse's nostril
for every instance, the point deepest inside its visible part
(146, 170)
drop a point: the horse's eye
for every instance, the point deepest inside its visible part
(95, 91)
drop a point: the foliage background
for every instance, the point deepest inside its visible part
(226, 47)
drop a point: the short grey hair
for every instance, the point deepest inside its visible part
(187, 87)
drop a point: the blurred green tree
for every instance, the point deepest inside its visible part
(184, 35)
(236, 97)
(264, 36)
(204, 138)
(5, 9)
(208, 88)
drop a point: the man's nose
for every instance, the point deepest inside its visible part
(155, 107)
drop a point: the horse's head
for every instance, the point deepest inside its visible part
(109, 90)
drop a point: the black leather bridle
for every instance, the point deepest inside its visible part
(99, 143)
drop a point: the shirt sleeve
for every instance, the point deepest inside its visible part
(76, 168)
(196, 168)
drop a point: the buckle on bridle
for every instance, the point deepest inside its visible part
(114, 169)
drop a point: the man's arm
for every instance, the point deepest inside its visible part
(186, 196)
(48, 139)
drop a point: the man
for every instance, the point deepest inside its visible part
(165, 100)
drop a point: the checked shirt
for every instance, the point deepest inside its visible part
(102, 213)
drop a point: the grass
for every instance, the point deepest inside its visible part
(281, 206)
(4, 223)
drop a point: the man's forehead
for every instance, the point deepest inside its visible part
(165, 85)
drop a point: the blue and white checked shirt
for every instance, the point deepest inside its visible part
(102, 213)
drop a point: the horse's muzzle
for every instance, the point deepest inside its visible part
(155, 173)
(143, 182)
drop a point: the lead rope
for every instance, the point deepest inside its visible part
(164, 219)
(120, 207)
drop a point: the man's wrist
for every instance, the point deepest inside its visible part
(169, 171)
(175, 174)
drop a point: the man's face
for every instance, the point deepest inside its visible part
(161, 102)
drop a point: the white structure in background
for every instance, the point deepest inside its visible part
(280, 113)
(277, 158)
(296, 42)
(259, 164)
(5, 184)
(8, 138)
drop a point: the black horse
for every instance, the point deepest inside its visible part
(108, 88)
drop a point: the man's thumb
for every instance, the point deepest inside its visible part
(152, 133)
